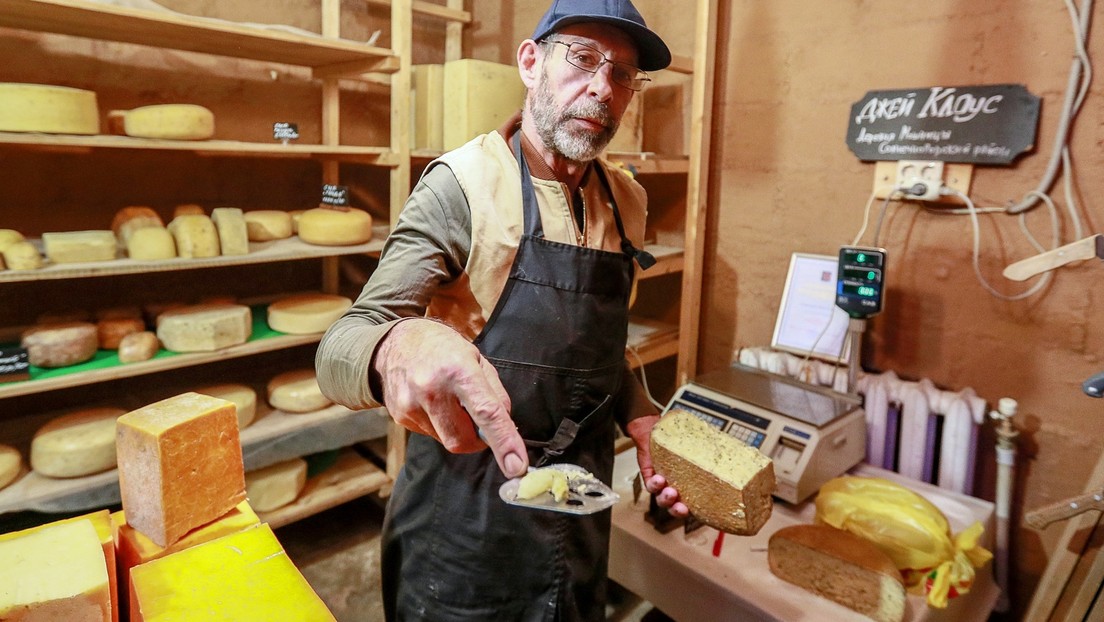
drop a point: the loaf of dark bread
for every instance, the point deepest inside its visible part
(839, 566)
(725, 483)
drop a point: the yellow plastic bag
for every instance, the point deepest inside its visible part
(909, 529)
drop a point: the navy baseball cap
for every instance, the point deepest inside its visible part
(652, 51)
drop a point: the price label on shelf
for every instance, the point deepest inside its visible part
(14, 364)
(285, 131)
(335, 195)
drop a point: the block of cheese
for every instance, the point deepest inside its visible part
(232, 231)
(137, 347)
(296, 392)
(195, 236)
(11, 465)
(481, 95)
(76, 444)
(328, 226)
(725, 483)
(151, 244)
(304, 314)
(180, 465)
(60, 345)
(428, 83)
(57, 572)
(129, 219)
(839, 566)
(48, 109)
(264, 225)
(242, 577)
(276, 485)
(101, 522)
(112, 330)
(204, 328)
(243, 397)
(79, 246)
(9, 237)
(22, 256)
(132, 548)
(168, 121)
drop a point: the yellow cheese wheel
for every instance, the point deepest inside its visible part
(335, 227)
(264, 225)
(232, 230)
(48, 109)
(195, 236)
(76, 444)
(22, 256)
(276, 485)
(304, 314)
(296, 392)
(244, 397)
(170, 121)
(9, 237)
(151, 244)
(11, 464)
(79, 246)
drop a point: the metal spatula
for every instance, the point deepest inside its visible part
(586, 494)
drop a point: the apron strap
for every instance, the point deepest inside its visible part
(533, 226)
(565, 435)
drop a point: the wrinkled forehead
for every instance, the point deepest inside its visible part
(610, 40)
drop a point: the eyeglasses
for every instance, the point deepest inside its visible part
(589, 59)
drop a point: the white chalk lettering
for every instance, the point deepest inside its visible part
(888, 108)
(943, 103)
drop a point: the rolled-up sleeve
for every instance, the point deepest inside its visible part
(428, 248)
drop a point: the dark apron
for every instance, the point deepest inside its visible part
(452, 549)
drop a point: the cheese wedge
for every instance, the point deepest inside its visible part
(11, 465)
(326, 226)
(244, 398)
(169, 122)
(76, 444)
(305, 314)
(276, 485)
(58, 572)
(243, 577)
(296, 392)
(180, 465)
(48, 109)
(204, 328)
(232, 231)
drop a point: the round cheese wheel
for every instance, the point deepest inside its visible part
(276, 485)
(335, 227)
(296, 392)
(141, 346)
(170, 122)
(244, 397)
(77, 444)
(112, 330)
(304, 314)
(129, 219)
(151, 244)
(295, 214)
(60, 345)
(49, 109)
(195, 236)
(264, 225)
(11, 464)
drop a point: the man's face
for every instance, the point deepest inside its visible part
(576, 113)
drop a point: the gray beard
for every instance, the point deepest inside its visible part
(552, 125)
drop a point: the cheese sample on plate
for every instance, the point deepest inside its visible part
(725, 483)
(101, 522)
(204, 328)
(180, 465)
(243, 577)
(60, 345)
(304, 314)
(244, 398)
(276, 485)
(11, 465)
(195, 236)
(168, 121)
(296, 392)
(48, 109)
(76, 444)
(79, 246)
(264, 225)
(57, 572)
(151, 244)
(232, 231)
(327, 226)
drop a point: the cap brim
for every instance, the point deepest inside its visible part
(652, 53)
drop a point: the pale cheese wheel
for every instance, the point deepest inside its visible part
(22, 256)
(265, 225)
(195, 236)
(48, 109)
(129, 219)
(112, 330)
(9, 237)
(76, 444)
(79, 246)
(60, 345)
(244, 397)
(11, 465)
(204, 328)
(296, 392)
(151, 244)
(276, 485)
(335, 227)
(137, 347)
(232, 230)
(304, 314)
(170, 122)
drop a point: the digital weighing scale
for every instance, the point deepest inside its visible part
(811, 433)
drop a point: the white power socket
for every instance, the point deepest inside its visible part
(920, 180)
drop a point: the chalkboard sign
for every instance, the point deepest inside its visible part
(14, 364)
(285, 131)
(335, 195)
(972, 124)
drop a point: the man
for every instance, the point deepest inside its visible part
(497, 319)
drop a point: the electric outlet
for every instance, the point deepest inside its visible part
(919, 180)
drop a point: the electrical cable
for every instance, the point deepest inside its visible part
(881, 217)
(644, 378)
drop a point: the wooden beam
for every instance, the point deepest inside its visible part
(452, 13)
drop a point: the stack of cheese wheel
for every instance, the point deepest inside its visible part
(48, 109)
(327, 226)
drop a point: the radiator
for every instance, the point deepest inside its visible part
(913, 427)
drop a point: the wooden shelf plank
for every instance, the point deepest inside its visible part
(650, 341)
(433, 10)
(380, 156)
(259, 252)
(351, 477)
(649, 163)
(668, 261)
(94, 20)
